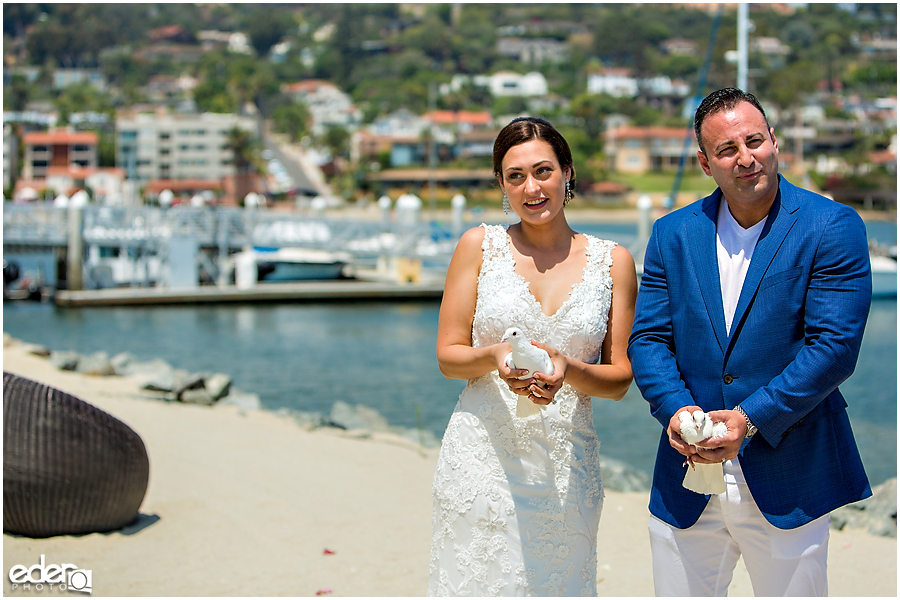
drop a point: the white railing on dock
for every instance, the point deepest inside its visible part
(148, 230)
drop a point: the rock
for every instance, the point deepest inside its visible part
(197, 396)
(126, 364)
(618, 476)
(358, 417)
(187, 381)
(877, 513)
(95, 364)
(164, 380)
(64, 360)
(217, 385)
(36, 349)
(121, 362)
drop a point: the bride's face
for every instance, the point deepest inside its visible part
(533, 180)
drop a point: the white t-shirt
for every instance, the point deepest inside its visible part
(734, 249)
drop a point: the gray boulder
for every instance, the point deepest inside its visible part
(877, 513)
(64, 360)
(36, 349)
(358, 417)
(125, 363)
(217, 385)
(95, 364)
(164, 380)
(197, 396)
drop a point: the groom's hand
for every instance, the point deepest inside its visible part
(726, 447)
(674, 433)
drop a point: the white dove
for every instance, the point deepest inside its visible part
(525, 355)
(702, 478)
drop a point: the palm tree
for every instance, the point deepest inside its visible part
(247, 160)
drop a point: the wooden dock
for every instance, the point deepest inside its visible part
(305, 291)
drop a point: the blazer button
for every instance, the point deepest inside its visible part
(728, 379)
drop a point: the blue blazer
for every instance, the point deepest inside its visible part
(795, 337)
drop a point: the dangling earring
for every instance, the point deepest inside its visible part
(506, 206)
(569, 194)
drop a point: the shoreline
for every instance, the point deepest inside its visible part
(246, 503)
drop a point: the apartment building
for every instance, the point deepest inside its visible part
(168, 146)
(57, 148)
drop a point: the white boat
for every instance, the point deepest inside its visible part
(287, 264)
(884, 276)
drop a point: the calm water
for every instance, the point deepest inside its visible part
(306, 356)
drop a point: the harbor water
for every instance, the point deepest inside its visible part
(306, 356)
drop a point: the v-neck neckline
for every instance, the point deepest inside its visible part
(527, 285)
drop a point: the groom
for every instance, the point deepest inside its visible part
(752, 307)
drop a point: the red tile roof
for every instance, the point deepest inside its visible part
(60, 137)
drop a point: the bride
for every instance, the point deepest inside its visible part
(517, 499)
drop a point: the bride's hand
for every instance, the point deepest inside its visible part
(544, 387)
(511, 376)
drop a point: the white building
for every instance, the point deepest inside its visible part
(615, 82)
(502, 83)
(327, 104)
(164, 146)
(505, 83)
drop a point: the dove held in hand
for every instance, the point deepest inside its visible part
(526, 355)
(702, 478)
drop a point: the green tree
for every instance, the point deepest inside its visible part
(212, 95)
(19, 93)
(787, 86)
(337, 140)
(266, 26)
(292, 119)
(247, 160)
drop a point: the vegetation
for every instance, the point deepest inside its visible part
(392, 56)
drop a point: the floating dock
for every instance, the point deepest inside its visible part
(305, 291)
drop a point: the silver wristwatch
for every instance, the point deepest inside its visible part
(751, 428)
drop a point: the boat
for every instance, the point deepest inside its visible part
(267, 265)
(884, 276)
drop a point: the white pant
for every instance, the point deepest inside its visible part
(700, 560)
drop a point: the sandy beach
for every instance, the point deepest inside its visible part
(248, 503)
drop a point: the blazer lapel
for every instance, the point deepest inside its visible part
(781, 219)
(703, 253)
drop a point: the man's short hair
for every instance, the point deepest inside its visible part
(724, 99)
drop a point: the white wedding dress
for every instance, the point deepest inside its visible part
(517, 500)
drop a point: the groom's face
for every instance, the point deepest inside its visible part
(741, 155)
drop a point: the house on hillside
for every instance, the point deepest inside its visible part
(502, 83)
(328, 106)
(649, 149)
(533, 50)
(618, 83)
(406, 137)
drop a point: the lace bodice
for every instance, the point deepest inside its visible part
(517, 500)
(577, 329)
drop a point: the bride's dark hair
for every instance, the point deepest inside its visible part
(525, 129)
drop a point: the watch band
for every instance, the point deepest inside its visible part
(751, 428)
